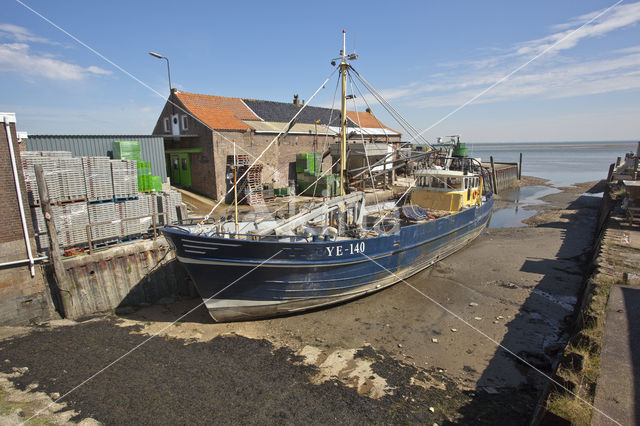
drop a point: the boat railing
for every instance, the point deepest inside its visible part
(185, 223)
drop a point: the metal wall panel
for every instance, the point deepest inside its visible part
(151, 147)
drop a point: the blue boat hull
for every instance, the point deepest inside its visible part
(246, 279)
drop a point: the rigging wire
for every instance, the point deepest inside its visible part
(390, 109)
(364, 146)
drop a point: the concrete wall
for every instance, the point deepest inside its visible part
(141, 272)
(506, 175)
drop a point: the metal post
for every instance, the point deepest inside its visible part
(55, 254)
(493, 176)
(635, 163)
(520, 168)
(610, 175)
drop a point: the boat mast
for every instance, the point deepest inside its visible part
(343, 116)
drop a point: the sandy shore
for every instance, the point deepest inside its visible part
(425, 352)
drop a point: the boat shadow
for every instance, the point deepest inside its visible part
(516, 378)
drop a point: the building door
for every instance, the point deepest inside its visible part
(185, 170)
(174, 170)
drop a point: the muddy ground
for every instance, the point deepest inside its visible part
(420, 353)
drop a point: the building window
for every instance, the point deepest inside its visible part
(185, 123)
(166, 125)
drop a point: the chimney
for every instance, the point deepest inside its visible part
(296, 102)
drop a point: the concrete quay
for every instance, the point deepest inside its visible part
(617, 396)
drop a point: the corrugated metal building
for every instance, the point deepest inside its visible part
(151, 147)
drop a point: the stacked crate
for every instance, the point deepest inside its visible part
(97, 177)
(70, 220)
(124, 176)
(70, 180)
(104, 212)
(250, 187)
(168, 202)
(56, 154)
(138, 208)
(40, 229)
(49, 165)
(121, 213)
(144, 176)
(126, 150)
(308, 169)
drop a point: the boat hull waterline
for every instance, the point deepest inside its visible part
(308, 275)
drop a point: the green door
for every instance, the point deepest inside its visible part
(174, 170)
(185, 170)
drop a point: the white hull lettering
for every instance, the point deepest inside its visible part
(352, 248)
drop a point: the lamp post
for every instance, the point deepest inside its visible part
(168, 67)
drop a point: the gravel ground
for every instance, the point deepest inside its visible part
(227, 380)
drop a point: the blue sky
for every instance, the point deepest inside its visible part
(425, 58)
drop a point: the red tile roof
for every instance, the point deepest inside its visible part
(366, 119)
(218, 112)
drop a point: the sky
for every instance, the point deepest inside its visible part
(492, 71)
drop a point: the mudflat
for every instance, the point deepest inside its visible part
(469, 340)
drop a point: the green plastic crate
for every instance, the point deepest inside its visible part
(156, 183)
(282, 192)
(126, 150)
(144, 176)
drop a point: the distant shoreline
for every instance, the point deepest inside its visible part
(603, 145)
(612, 142)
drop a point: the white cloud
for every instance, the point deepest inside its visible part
(619, 17)
(562, 81)
(20, 34)
(16, 57)
(97, 70)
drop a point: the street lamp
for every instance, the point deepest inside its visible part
(168, 68)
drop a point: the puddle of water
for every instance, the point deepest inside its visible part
(510, 218)
(526, 196)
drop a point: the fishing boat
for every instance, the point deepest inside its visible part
(337, 249)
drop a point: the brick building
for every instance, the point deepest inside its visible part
(199, 131)
(23, 297)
